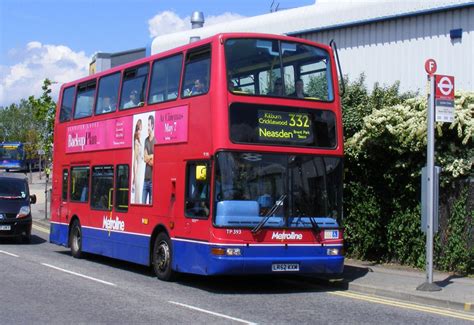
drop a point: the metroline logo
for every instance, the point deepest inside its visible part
(111, 224)
(292, 235)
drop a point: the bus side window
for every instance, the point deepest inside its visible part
(197, 73)
(66, 104)
(79, 190)
(133, 87)
(197, 189)
(108, 94)
(85, 99)
(65, 184)
(121, 188)
(165, 79)
(102, 187)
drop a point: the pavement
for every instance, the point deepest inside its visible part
(383, 280)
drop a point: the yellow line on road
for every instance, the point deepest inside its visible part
(394, 303)
(42, 229)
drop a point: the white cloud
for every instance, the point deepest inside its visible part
(167, 22)
(37, 62)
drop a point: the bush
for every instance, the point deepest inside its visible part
(453, 253)
(385, 149)
(362, 226)
(406, 242)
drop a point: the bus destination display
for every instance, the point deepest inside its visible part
(278, 126)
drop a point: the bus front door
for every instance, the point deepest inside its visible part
(64, 204)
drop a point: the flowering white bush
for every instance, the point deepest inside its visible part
(401, 129)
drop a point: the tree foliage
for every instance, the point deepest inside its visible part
(44, 111)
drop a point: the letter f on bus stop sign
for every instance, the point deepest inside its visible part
(430, 66)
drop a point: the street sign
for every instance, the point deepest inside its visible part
(444, 87)
(444, 110)
(444, 98)
(430, 66)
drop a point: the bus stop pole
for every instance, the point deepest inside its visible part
(429, 285)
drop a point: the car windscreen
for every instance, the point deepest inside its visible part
(13, 188)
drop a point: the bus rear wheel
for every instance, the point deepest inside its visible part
(161, 258)
(75, 239)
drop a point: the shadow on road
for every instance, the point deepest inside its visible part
(112, 262)
(274, 284)
(35, 240)
(245, 284)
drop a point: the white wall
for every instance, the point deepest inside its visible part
(397, 49)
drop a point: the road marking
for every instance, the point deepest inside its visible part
(212, 313)
(78, 274)
(10, 254)
(394, 303)
(42, 229)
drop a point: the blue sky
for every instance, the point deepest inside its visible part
(57, 38)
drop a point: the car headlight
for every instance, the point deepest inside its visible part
(24, 212)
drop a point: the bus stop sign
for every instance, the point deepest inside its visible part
(444, 98)
(444, 87)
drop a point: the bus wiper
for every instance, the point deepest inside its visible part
(314, 224)
(273, 210)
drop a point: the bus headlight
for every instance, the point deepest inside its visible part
(333, 251)
(232, 252)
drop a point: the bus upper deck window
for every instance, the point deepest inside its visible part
(165, 77)
(107, 94)
(85, 99)
(66, 104)
(134, 87)
(197, 73)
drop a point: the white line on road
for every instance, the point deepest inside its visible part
(78, 274)
(7, 253)
(42, 229)
(211, 312)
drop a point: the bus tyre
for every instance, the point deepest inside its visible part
(75, 239)
(161, 258)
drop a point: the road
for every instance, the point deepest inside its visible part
(42, 283)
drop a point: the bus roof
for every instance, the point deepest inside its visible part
(185, 47)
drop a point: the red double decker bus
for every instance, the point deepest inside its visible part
(223, 156)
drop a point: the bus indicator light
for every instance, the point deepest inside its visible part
(218, 251)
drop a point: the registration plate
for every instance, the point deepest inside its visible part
(285, 267)
(6, 227)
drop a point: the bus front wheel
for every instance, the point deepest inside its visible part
(75, 239)
(161, 259)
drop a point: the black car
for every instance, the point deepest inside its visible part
(15, 210)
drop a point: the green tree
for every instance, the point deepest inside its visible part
(15, 121)
(44, 109)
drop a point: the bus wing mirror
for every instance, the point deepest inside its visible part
(33, 199)
(333, 45)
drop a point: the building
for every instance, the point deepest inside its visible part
(387, 40)
(103, 61)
